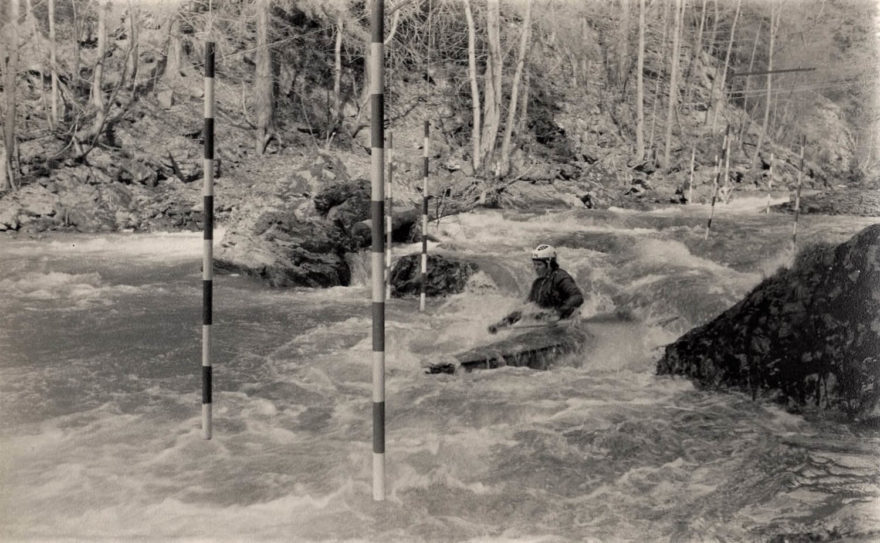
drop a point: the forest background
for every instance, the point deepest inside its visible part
(579, 103)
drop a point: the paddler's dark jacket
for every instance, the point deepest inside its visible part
(557, 290)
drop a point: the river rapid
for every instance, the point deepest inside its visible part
(100, 397)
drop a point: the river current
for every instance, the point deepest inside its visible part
(100, 397)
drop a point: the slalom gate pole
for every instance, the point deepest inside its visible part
(424, 218)
(690, 196)
(797, 198)
(726, 185)
(389, 201)
(208, 253)
(714, 196)
(377, 159)
(769, 184)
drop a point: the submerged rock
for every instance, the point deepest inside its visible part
(808, 334)
(445, 276)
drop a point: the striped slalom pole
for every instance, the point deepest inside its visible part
(690, 194)
(208, 258)
(769, 184)
(714, 195)
(727, 187)
(424, 218)
(377, 152)
(797, 198)
(389, 201)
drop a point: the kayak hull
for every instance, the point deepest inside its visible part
(537, 349)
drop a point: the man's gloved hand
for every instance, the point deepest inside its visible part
(547, 316)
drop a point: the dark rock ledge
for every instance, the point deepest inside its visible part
(807, 335)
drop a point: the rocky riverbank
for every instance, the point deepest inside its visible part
(809, 335)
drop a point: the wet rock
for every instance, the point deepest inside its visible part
(299, 232)
(9, 217)
(37, 201)
(445, 276)
(809, 334)
(864, 203)
(134, 171)
(284, 251)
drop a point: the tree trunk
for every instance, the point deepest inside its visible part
(663, 42)
(714, 29)
(695, 58)
(77, 29)
(640, 87)
(36, 39)
(522, 123)
(751, 65)
(98, 79)
(173, 52)
(673, 83)
(775, 15)
(475, 88)
(723, 85)
(132, 61)
(53, 61)
(337, 73)
(263, 78)
(10, 69)
(623, 44)
(492, 84)
(745, 105)
(504, 165)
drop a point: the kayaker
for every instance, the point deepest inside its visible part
(553, 290)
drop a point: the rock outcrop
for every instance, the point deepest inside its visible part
(298, 230)
(445, 276)
(808, 334)
(852, 201)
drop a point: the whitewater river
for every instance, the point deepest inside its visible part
(100, 398)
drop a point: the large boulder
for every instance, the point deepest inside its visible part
(299, 232)
(445, 275)
(285, 251)
(808, 334)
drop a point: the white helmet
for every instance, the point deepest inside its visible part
(544, 252)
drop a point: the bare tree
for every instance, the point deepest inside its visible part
(492, 84)
(133, 37)
(263, 80)
(640, 87)
(623, 43)
(35, 38)
(475, 88)
(504, 164)
(775, 16)
(337, 72)
(697, 53)
(745, 105)
(663, 43)
(10, 69)
(98, 77)
(673, 82)
(723, 83)
(53, 62)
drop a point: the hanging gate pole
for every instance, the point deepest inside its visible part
(377, 152)
(208, 253)
(424, 219)
(797, 198)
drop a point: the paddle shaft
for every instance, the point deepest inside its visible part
(601, 317)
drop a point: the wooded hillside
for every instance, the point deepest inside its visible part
(640, 88)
